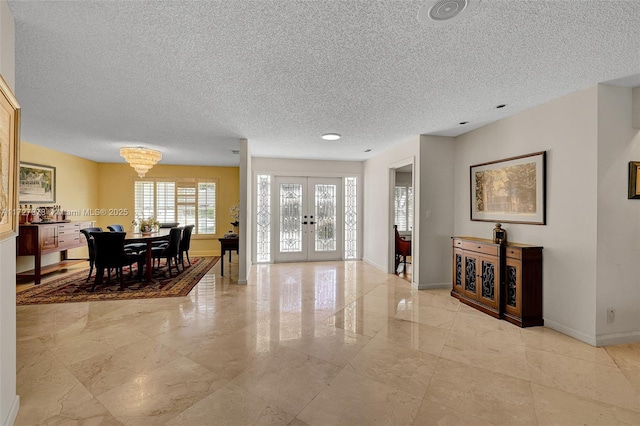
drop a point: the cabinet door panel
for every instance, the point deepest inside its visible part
(513, 287)
(489, 281)
(458, 271)
(470, 276)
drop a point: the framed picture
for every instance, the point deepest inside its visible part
(9, 144)
(37, 183)
(510, 190)
(634, 179)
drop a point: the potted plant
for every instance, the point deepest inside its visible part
(147, 225)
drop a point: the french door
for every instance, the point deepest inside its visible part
(308, 219)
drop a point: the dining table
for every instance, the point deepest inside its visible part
(148, 239)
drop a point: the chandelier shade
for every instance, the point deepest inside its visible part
(141, 159)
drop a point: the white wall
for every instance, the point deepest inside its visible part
(636, 108)
(436, 221)
(567, 129)
(618, 282)
(9, 401)
(376, 219)
(246, 232)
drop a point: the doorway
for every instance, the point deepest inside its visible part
(403, 212)
(308, 213)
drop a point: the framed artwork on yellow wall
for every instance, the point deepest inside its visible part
(9, 145)
(37, 183)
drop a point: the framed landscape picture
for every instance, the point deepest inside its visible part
(510, 190)
(9, 139)
(37, 183)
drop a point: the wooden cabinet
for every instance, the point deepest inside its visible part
(523, 285)
(504, 281)
(38, 239)
(477, 275)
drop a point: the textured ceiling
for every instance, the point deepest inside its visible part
(191, 78)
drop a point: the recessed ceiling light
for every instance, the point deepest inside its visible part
(331, 136)
(463, 122)
(367, 150)
(501, 106)
(235, 151)
(443, 12)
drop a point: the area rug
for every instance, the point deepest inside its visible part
(73, 288)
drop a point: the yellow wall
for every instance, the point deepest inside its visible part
(85, 186)
(115, 187)
(76, 189)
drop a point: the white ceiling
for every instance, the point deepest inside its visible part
(191, 78)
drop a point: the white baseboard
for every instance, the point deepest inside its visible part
(590, 340)
(374, 264)
(13, 411)
(430, 286)
(618, 338)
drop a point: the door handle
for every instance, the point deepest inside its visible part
(304, 223)
(311, 223)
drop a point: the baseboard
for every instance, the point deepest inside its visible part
(590, 340)
(374, 264)
(431, 286)
(618, 338)
(13, 411)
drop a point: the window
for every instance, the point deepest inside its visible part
(404, 208)
(187, 201)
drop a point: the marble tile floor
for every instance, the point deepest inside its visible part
(330, 343)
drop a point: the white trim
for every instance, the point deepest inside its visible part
(13, 411)
(431, 286)
(374, 264)
(618, 338)
(591, 340)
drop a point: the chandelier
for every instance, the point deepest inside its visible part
(141, 159)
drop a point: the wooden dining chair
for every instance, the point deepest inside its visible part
(403, 249)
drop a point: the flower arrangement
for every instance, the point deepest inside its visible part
(234, 213)
(146, 225)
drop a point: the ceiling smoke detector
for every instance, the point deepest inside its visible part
(443, 12)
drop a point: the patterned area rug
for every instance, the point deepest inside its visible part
(73, 288)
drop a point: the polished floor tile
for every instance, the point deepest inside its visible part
(326, 343)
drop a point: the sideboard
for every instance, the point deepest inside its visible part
(44, 238)
(502, 280)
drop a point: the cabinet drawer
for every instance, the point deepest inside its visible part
(480, 248)
(514, 252)
(457, 243)
(68, 241)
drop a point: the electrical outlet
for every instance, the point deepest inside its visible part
(611, 315)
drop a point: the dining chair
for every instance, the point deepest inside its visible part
(110, 254)
(169, 224)
(403, 249)
(132, 248)
(170, 251)
(185, 244)
(91, 246)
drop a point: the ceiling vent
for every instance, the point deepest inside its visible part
(444, 12)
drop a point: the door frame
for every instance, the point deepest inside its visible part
(391, 215)
(309, 253)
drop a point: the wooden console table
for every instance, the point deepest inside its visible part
(227, 244)
(43, 238)
(504, 281)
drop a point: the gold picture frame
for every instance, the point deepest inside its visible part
(634, 179)
(510, 190)
(9, 146)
